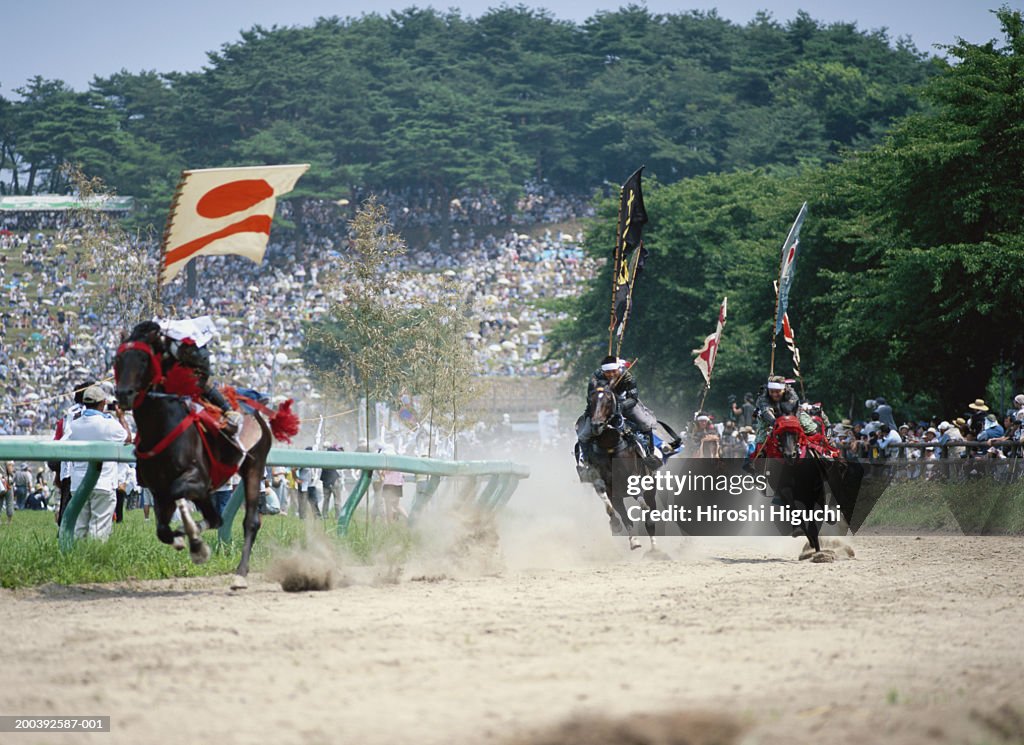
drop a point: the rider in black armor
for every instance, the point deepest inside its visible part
(775, 399)
(614, 373)
(187, 343)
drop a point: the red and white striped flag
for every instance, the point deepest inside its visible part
(219, 211)
(787, 334)
(705, 360)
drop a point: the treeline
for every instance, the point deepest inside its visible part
(910, 280)
(440, 102)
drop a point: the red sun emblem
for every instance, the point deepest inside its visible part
(221, 201)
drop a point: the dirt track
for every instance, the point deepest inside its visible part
(900, 644)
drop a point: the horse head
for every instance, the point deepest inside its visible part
(789, 437)
(137, 366)
(604, 410)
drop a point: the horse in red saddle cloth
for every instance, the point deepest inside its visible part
(803, 460)
(182, 452)
(789, 442)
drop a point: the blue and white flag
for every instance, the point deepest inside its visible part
(787, 267)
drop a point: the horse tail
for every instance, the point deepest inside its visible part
(284, 424)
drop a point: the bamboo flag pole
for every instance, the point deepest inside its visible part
(629, 297)
(615, 272)
(168, 225)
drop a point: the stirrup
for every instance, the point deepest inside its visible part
(233, 423)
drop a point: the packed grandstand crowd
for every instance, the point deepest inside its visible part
(52, 341)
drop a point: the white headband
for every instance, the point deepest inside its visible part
(610, 367)
(776, 386)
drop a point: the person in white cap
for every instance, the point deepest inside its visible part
(95, 425)
(777, 398)
(949, 434)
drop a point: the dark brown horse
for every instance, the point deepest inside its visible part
(174, 462)
(612, 450)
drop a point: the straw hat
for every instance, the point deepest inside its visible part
(978, 405)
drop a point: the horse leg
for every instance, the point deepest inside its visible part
(620, 507)
(650, 502)
(196, 545)
(211, 516)
(811, 530)
(613, 519)
(164, 511)
(251, 478)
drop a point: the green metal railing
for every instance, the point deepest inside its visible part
(490, 484)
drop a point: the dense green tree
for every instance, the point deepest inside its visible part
(438, 101)
(931, 222)
(911, 269)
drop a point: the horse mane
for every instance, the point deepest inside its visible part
(150, 333)
(143, 330)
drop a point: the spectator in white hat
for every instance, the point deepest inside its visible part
(96, 425)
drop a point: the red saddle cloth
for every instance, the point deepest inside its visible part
(816, 444)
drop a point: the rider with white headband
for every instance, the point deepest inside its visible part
(775, 399)
(187, 341)
(614, 373)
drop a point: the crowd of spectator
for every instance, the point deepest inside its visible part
(978, 432)
(52, 341)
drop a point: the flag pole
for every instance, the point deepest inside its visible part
(775, 316)
(703, 396)
(629, 297)
(615, 272)
(166, 236)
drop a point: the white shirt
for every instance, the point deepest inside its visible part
(95, 426)
(884, 443)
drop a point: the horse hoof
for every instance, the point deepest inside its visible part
(201, 554)
(238, 582)
(178, 543)
(823, 557)
(634, 543)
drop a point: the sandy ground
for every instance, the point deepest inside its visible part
(915, 640)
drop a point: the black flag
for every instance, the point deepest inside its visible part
(632, 215)
(632, 218)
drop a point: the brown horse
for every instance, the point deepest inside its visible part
(179, 460)
(612, 450)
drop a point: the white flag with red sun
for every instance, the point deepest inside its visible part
(219, 211)
(705, 359)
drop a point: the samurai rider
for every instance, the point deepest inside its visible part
(777, 398)
(187, 342)
(614, 374)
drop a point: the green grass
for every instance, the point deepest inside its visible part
(977, 507)
(29, 554)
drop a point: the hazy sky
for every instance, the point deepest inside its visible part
(76, 39)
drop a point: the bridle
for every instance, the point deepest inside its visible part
(614, 420)
(156, 376)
